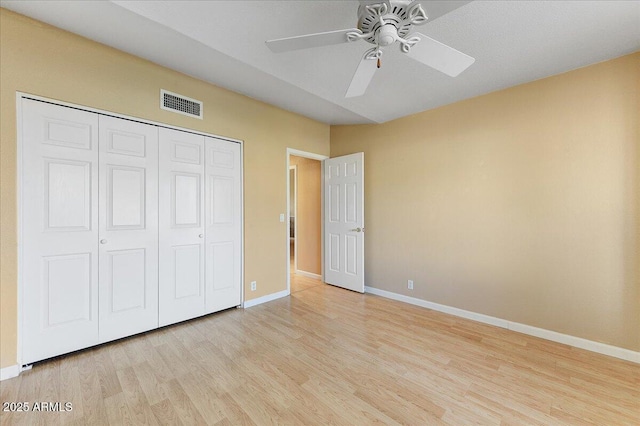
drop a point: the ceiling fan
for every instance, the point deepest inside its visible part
(382, 23)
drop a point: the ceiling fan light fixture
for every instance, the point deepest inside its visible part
(373, 18)
(387, 35)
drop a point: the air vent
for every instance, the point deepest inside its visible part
(180, 104)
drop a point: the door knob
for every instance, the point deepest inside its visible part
(201, 236)
(357, 230)
(103, 241)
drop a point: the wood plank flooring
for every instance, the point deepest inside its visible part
(330, 356)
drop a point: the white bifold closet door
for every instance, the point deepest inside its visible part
(89, 229)
(124, 227)
(223, 224)
(59, 230)
(128, 220)
(181, 285)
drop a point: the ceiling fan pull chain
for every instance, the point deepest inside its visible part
(373, 53)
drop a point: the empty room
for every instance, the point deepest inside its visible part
(319, 212)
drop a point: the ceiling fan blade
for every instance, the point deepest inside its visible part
(310, 40)
(439, 56)
(435, 9)
(363, 76)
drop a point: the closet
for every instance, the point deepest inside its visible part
(124, 227)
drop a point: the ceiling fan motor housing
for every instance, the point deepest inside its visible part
(396, 23)
(387, 35)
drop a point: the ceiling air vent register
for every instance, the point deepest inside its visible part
(181, 104)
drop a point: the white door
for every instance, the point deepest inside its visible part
(59, 230)
(181, 170)
(128, 220)
(344, 221)
(223, 183)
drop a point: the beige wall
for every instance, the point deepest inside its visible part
(42, 60)
(522, 204)
(309, 214)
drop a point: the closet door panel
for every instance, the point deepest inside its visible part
(181, 226)
(124, 227)
(223, 224)
(128, 228)
(59, 230)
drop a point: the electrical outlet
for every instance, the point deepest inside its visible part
(410, 284)
(254, 285)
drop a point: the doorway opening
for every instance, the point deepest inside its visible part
(305, 224)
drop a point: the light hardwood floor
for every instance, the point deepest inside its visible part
(331, 356)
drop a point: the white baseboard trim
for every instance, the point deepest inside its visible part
(308, 274)
(9, 372)
(578, 342)
(265, 299)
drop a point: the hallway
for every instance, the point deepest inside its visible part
(300, 282)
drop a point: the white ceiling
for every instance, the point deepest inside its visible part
(222, 42)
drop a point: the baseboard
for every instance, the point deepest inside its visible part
(265, 299)
(9, 372)
(308, 274)
(578, 342)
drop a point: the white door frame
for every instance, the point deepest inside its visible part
(312, 156)
(293, 168)
(20, 197)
